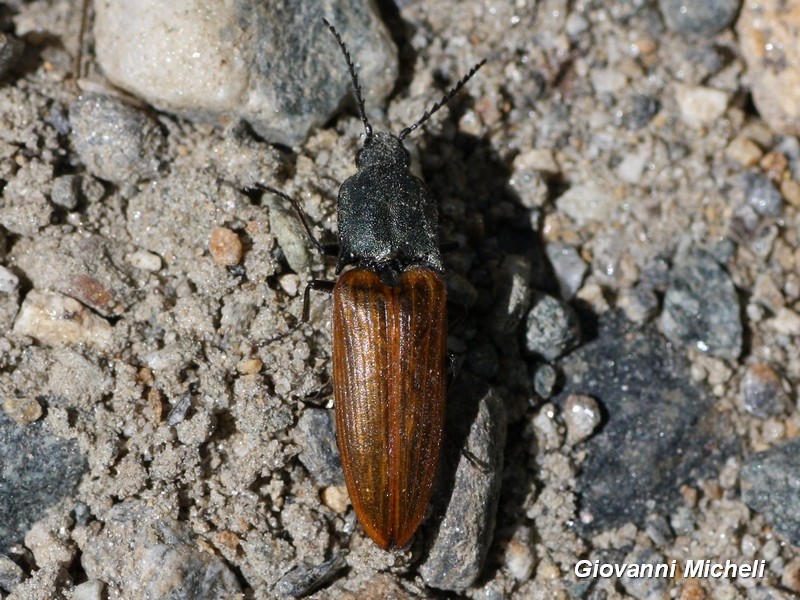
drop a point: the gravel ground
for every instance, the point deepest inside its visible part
(622, 180)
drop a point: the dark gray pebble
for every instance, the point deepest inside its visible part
(762, 195)
(698, 18)
(38, 470)
(302, 581)
(115, 141)
(482, 360)
(701, 308)
(552, 327)
(319, 452)
(660, 430)
(639, 110)
(770, 483)
(476, 433)
(762, 392)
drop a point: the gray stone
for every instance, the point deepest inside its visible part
(762, 195)
(66, 191)
(37, 471)
(273, 64)
(661, 431)
(476, 431)
(701, 308)
(698, 18)
(568, 266)
(140, 554)
(639, 110)
(512, 294)
(319, 452)
(115, 141)
(762, 392)
(544, 380)
(552, 327)
(645, 588)
(25, 209)
(770, 483)
(11, 574)
(303, 581)
(640, 304)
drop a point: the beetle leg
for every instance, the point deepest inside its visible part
(319, 285)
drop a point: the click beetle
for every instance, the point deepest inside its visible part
(389, 331)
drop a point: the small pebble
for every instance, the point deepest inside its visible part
(704, 18)
(115, 141)
(586, 203)
(744, 151)
(292, 238)
(658, 530)
(88, 590)
(791, 575)
(544, 381)
(65, 192)
(519, 557)
(639, 304)
(290, 283)
(58, 320)
(568, 266)
(639, 110)
(250, 366)
(11, 574)
(302, 581)
(319, 453)
(701, 307)
(762, 392)
(225, 247)
(763, 196)
(770, 483)
(22, 410)
(769, 41)
(582, 416)
(645, 588)
(336, 498)
(512, 295)
(700, 106)
(144, 260)
(8, 281)
(552, 327)
(785, 321)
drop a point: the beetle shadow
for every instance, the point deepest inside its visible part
(480, 211)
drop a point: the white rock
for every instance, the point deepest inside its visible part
(144, 260)
(585, 203)
(700, 106)
(8, 281)
(785, 321)
(58, 320)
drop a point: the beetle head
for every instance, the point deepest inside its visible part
(382, 149)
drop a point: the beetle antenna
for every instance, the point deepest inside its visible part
(353, 77)
(447, 97)
(300, 213)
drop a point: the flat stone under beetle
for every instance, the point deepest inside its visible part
(389, 330)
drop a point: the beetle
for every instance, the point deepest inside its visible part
(389, 330)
